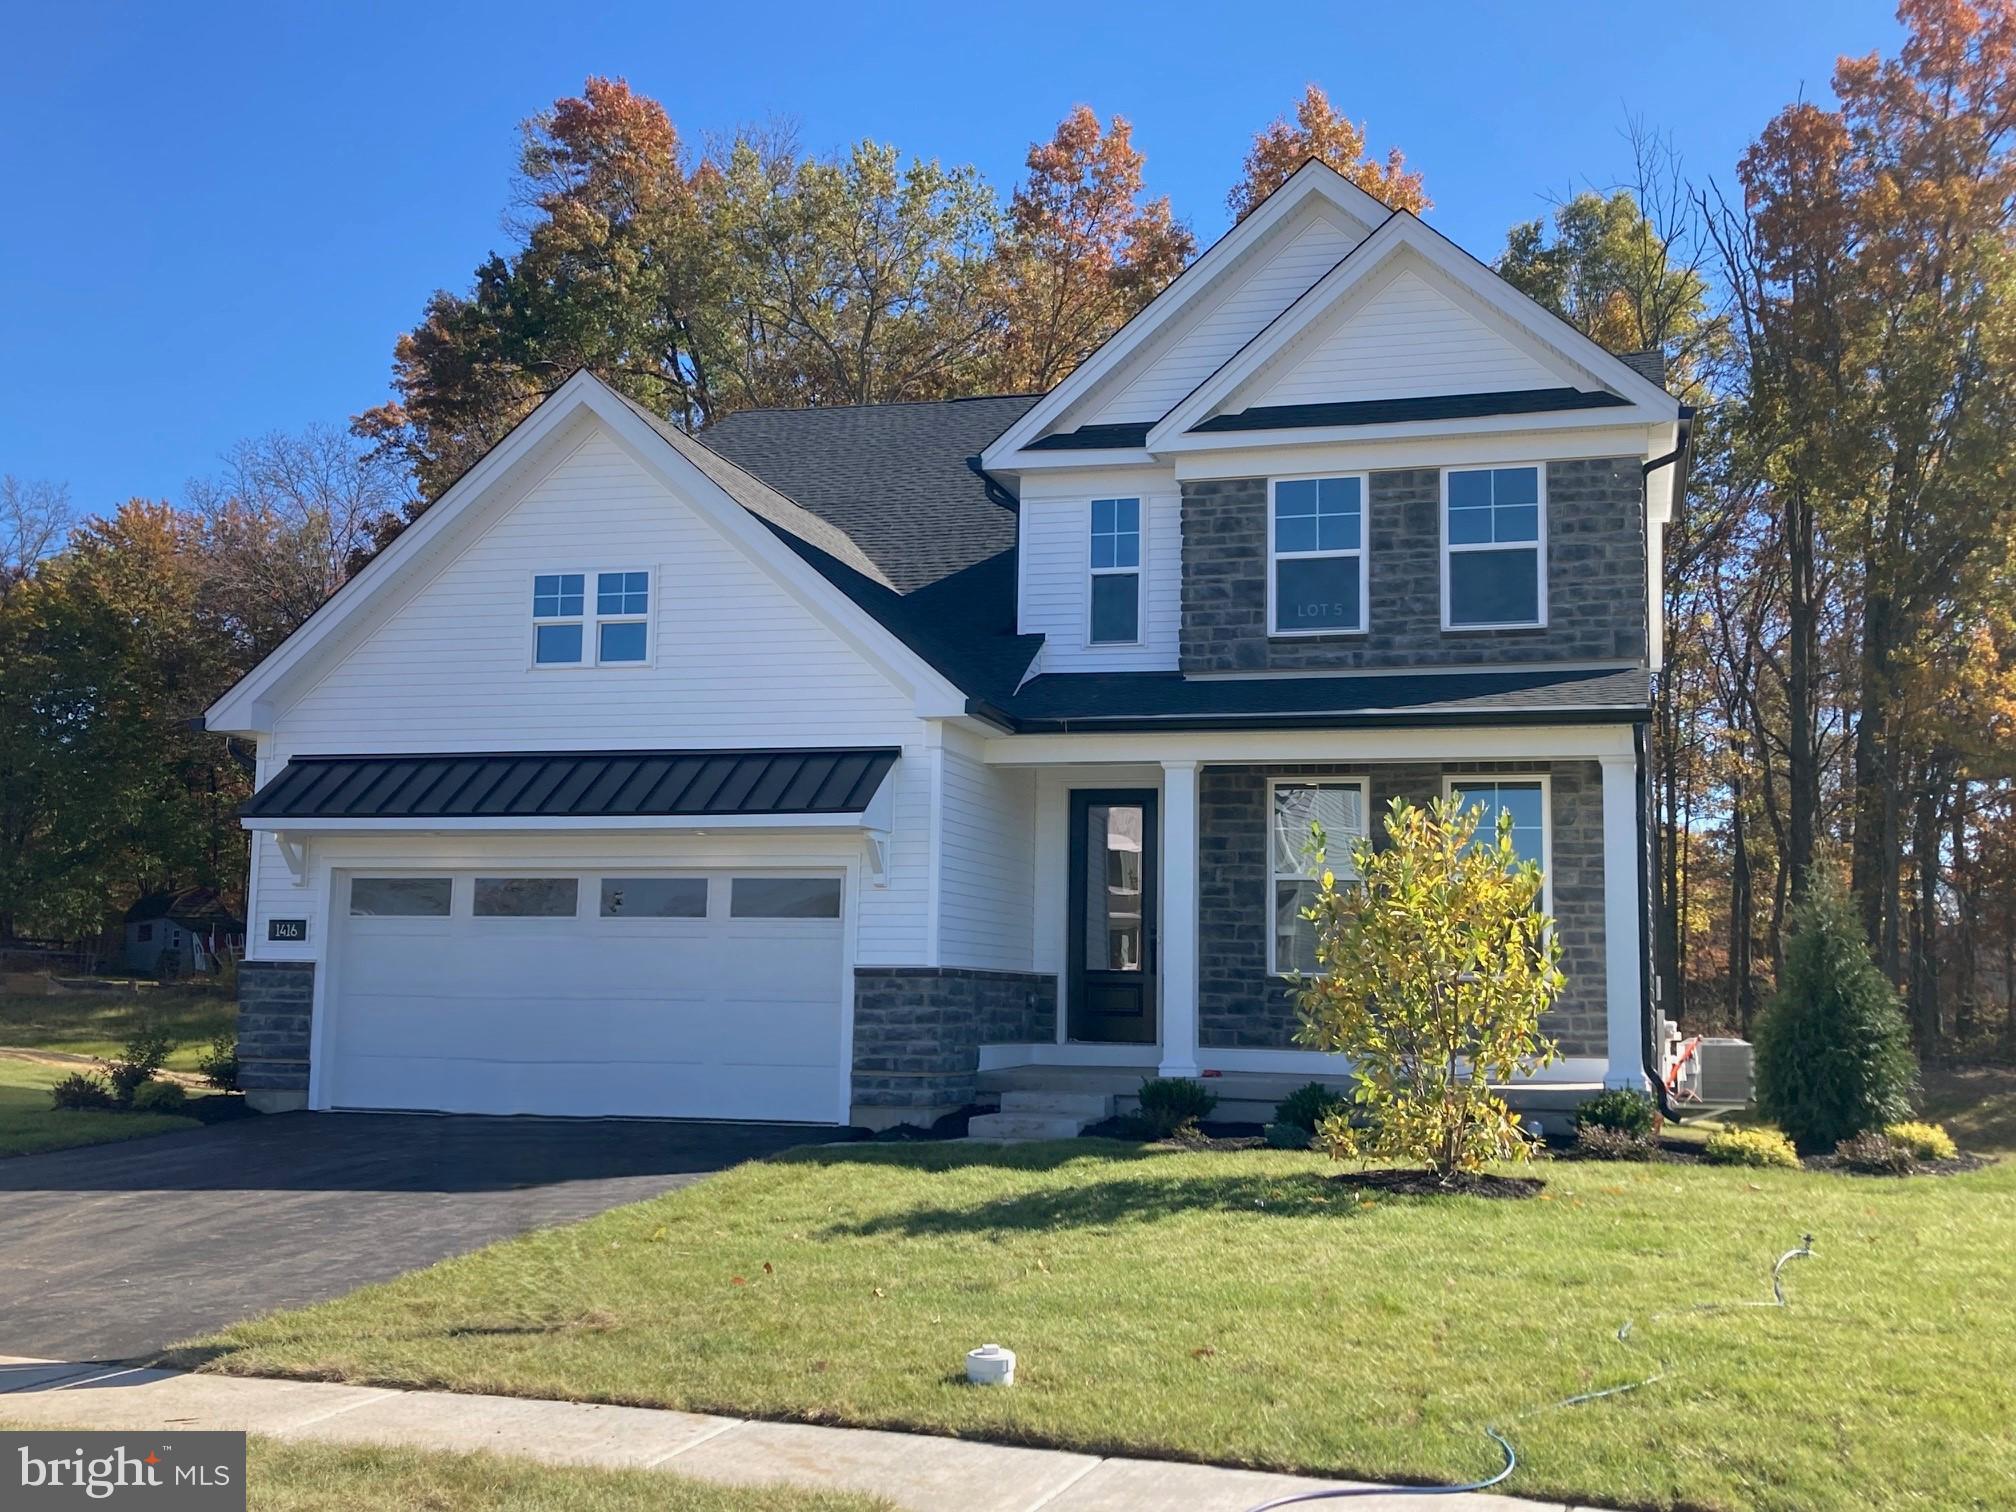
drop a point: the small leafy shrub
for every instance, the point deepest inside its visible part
(1833, 1051)
(219, 1064)
(1169, 1103)
(1307, 1106)
(1750, 1147)
(159, 1097)
(146, 1049)
(1874, 1154)
(1602, 1142)
(1925, 1141)
(1288, 1136)
(1623, 1110)
(81, 1092)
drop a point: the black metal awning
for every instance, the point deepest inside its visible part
(574, 785)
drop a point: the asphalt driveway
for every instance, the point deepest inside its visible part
(112, 1252)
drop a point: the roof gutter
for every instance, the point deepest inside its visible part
(1682, 455)
(1399, 719)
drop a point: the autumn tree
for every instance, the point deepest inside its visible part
(1082, 252)
(1321, 131)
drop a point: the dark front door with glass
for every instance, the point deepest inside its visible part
(1112, 988)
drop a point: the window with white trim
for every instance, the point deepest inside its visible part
(1494, 548)
(1316, 534)
(1116, 573)
(1526, 799)
(573, 628)
(1294, 877)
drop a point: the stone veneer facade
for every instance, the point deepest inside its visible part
(276, 1001)
(1596, 605)
(1240, 1006)
(918, 1032)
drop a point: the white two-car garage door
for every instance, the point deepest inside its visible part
(697, 995)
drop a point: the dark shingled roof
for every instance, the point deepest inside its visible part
(1169, 700)
(573, 784)
(902, 481)
(197, 908)
(1649, 364)
(1424, 407)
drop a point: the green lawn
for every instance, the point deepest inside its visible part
(29, 1124)
(1246, 1308)
(98, 1023)
(306, 1477)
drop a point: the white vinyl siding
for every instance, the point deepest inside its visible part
(1405, 339)
(1056, 583)
(987, 868)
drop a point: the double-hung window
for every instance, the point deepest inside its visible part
(573, 626)
(1116, 572)
(1525, 799)
(1317, 531)
(1339, 806)
(1494, 548)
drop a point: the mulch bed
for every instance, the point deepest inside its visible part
(1427, 1184)
(1964, 1162)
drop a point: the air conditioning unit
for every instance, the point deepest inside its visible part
(1724, 1076)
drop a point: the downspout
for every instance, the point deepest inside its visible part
(1648, 1015)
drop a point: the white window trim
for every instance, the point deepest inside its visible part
(1540, 551)
(591, 620)
(1363, 553)
(1138, 572)
(1453, 780)
(1275, 878)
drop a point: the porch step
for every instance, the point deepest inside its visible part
(1090, 1106)
(1020, 1126)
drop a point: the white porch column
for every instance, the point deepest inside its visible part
(1177, 964)
(1623, 923)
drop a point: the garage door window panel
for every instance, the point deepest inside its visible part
(527, 897)
(784, 898)
(654, 897)
(400, 897)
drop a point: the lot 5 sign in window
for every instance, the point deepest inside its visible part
(600, 619)
(1317, 530)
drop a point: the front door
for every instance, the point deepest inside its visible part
(1113, 916)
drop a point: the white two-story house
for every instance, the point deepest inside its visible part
(842, 765)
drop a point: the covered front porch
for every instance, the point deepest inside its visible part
(1165, 905)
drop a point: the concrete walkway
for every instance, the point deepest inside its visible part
(916, 1472)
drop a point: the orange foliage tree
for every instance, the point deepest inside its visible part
(1319, 130)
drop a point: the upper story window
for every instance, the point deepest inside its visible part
(569, 629)
(1339, 806)
(1317, 568)
(1116, 572)
(1494, 548)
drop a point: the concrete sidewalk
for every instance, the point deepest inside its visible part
(915, 1471)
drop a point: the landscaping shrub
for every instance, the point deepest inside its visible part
(1833, 1052)
(1875, 1155)
(1435, 968)
(1307, 1106)
(146, 1049)
(1602, 1142)
(1925, 1141)
(159, 1097)
(1288, 1136)
(1750, 1147)
(219, 1064)
(1168, 1103)
(81, 1091)
(1624, 1110)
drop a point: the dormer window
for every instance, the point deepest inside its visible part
(1116, 572)
(569, 629)
(1317, 572)
(1494, 548)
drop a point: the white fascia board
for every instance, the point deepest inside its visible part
(1005, 452)
(251, 703)
(1264, 747)
(1029, 464)
(549, 824)
(1381, 448)
(1516, 316)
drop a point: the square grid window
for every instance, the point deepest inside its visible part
(1493, 549)
(1295, 878)
(1116, 572)
(1525, 799)
(571, 629)
(1319, 564)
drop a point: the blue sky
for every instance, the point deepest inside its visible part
(220, 216)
